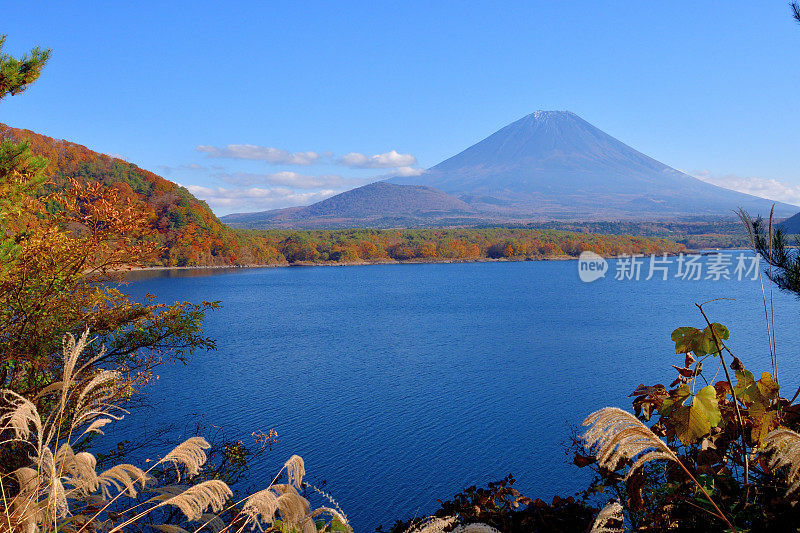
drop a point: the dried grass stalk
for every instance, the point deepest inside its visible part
(54, 481)
(618, 436)
(122, 477)
(433, 525)
(609, 513)
(293, 507)
(307, 526)
(784, 446)
(190, 454)
(333, 513)
(295, 470)
(18, 415)
(196, 499)
(260, 509)
(475, 528)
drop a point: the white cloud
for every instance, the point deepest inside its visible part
(227, 200)
(387, 160)
(260, 153)
(289, 179)
(770, 189)
(277, 156)
(250, 191)
(405, 172)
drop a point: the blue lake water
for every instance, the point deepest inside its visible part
(401, 384)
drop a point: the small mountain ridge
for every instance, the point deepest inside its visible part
(382, 199)
(791, 225)
(379, 203)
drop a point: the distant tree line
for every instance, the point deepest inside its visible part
(343, 246)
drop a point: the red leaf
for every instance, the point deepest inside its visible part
(685, 372)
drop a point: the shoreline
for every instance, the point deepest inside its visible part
(348, 263)
(389, 262)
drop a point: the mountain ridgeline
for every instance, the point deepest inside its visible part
(791, 225)
(549, 165)
(378, 204)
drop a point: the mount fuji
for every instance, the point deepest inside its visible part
(549, 165)
(554, 164)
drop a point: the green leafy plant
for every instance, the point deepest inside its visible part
(723, 441)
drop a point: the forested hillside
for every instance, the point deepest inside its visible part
(186, 227)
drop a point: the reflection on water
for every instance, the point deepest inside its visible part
(145, 274)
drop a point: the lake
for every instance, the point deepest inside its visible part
(401, 384)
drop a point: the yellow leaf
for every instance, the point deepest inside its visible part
(764, 421)
(706, 401)
(696, 420)
(767, 386)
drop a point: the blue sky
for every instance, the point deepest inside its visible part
(329, 95)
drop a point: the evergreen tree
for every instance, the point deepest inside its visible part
(21, 174)
(17, 74)
(782, 258)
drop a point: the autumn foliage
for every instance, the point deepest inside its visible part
(61, 256)
(470, 244)
(184, 228)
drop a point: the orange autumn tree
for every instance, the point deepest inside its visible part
(190, 233)
(60, 255)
